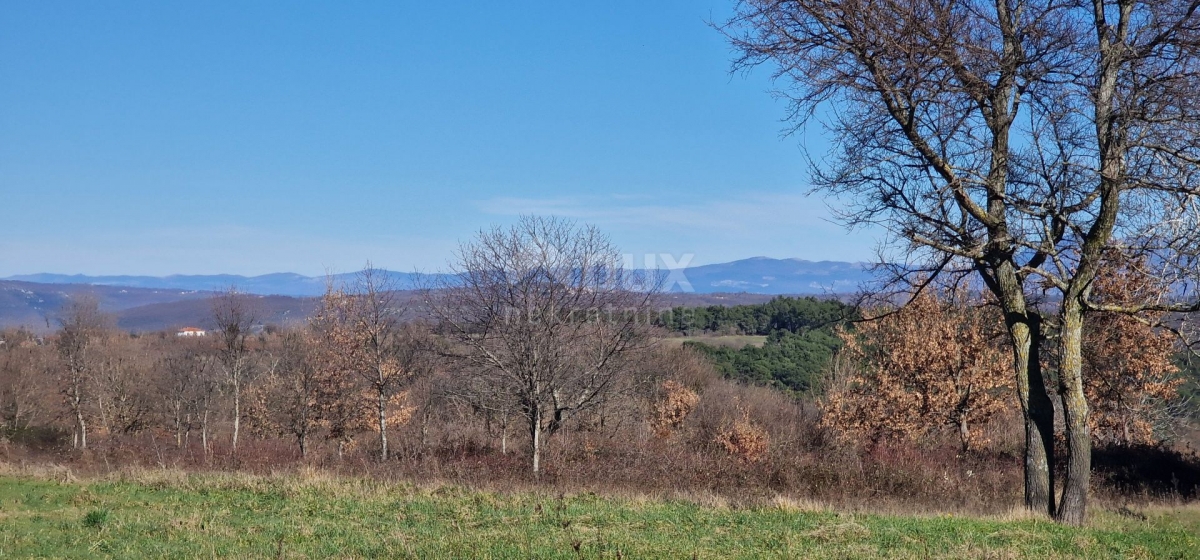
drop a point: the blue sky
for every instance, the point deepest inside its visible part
(254, 137)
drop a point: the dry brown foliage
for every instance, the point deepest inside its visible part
(744, 439)
(398, 411)
(936, 362)
(1129, 379)
(676, 403)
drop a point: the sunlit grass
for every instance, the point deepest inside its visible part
(170, 514)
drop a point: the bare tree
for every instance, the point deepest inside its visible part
(1018, 139)
(122, 382)
(544, 317)
(82, 326)
(185, 388)
(293, 389)
(24, 366)
(233, 315)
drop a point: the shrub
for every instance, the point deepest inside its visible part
(673, 408)
(744, 439)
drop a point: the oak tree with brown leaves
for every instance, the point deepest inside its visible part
(367, 346)
(934, 363)
(1130, 379)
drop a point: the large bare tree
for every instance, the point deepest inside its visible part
(1015, 139)
(545, 318)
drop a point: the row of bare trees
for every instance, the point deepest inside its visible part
(539, 322)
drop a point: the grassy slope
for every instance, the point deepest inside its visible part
(174, 515)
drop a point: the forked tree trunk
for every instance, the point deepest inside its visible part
(1072, 510)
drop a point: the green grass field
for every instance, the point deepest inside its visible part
(173, 515)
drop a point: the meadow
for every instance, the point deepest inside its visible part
(308, 514)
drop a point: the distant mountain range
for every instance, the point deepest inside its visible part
(757, 275)
(763, 275)
(151, 303)
(277, 284)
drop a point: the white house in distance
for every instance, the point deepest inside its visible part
(191, 331)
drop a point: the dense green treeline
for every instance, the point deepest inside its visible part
(782, 313)
(800, 338)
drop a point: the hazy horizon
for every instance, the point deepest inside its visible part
(692, 264)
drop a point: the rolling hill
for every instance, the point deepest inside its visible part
(757, 275)
(150, 303)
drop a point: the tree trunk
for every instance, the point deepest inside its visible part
(204, 431)
(178, 427)
(382, 410)
(425, 425)
(104, 425)
(82, 427)
(535, 432)
(302, 441)
(237, 412)
(504, 435)
(1072, 510)
(1038, 413)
